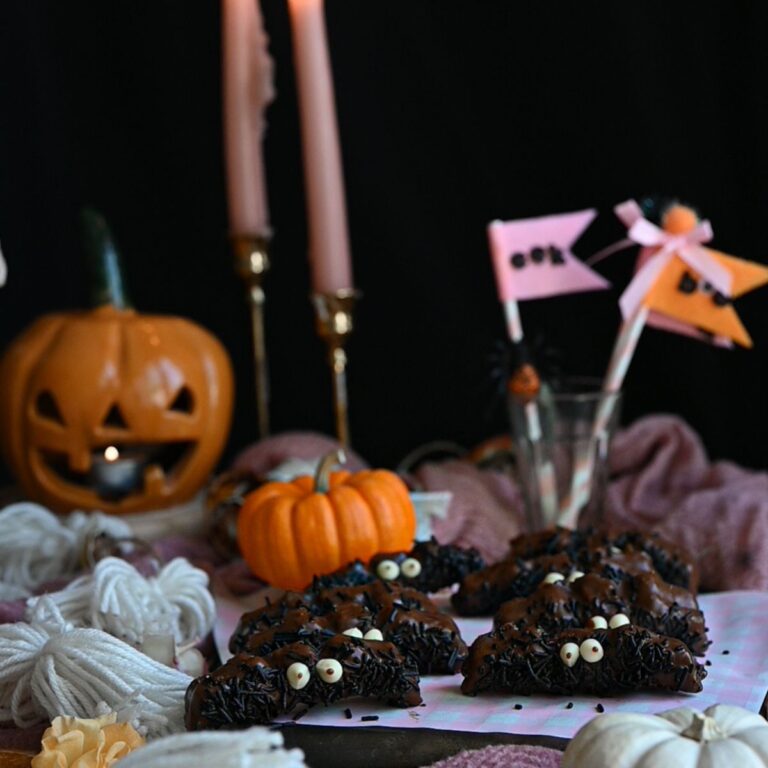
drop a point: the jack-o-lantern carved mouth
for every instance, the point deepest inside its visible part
(120, 471)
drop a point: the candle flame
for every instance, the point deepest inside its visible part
(111, 453)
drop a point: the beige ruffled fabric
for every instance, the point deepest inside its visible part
(73, 742)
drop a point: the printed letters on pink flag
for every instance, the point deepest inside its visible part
(532, 258)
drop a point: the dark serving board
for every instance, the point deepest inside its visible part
(377, 747)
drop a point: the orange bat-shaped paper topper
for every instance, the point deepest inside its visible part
(680, 293)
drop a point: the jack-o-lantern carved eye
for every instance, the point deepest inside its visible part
(46, 406)
(183, 402)
(115, 418)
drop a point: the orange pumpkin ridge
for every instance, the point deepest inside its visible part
(289, 532)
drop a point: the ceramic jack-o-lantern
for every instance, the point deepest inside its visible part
(111, 409)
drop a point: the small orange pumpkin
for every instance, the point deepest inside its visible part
(290, 532)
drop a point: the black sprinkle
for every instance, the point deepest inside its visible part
(569, 705)
(348, 714)
(422, 704)
(708, 663)
(368, 718)
(600, 708)
(518, 706)
(299, 715)
(726, 652)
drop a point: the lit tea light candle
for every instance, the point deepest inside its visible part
(115, 474)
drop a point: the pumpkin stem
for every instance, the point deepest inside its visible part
(324, 469)
(107, 285)
(703, 728)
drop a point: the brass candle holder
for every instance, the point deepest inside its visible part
(333, 321)
(252, 263)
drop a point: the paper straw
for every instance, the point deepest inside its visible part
(542, 468)
(623, 351)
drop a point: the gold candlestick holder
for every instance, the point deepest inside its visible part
(252, 263)
(333, 320)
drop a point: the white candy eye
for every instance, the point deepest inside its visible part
(329, 670)
(569, 653)
(619, 620)
(352, 632)
(574, 576)
(373, 634)
(388, 570)
(591, 651)
(411, 567)
(597, 622)
(552, 578)
(297, 675)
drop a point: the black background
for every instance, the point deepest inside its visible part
(451, 114)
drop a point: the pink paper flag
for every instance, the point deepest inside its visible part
(532, 258)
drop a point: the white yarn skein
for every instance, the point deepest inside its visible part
(48, 668)
(37, 546)
(116, 598)
(253, 748)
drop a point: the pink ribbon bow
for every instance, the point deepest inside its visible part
(687, 246)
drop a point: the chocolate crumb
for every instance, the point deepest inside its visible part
(726, 652)
(569, 705)
(600, 708)
(368, 718)
(708, 663)
(348, 713)
(518, 706)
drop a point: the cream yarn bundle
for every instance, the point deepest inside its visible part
(37, 546)
(49, 668)
(116, 598)
(253, 748)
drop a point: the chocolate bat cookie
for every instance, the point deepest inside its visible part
(428, 567)
(593, 600)
(672, 563)
(252, 690)
(597, 661)
(427, 637)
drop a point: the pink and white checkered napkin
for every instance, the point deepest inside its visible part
(738, 623)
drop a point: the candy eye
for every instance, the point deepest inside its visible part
(619, 620)
(591, 651)
(574, 576)
(352, 632)
(597, 622)
(411, 567)
(553, 578)
(388, 570)
(373, 634)
(297, 675)
(569, 653)
(329, 670)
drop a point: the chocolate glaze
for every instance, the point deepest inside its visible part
(427, 637)
(634, 659)
(250, 690)
(673, 564)
(483, 591)
(441, 566)
(645, 599)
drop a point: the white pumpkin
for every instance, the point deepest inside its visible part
(720, 737)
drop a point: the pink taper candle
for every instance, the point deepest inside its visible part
(328, 235)
(248, 89)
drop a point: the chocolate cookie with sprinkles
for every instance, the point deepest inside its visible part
(254, 690)
(426, 636)
(428, 567)
(593, 661)
(592, 600)
(674, 565)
